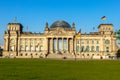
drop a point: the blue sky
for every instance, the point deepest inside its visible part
(85, 14)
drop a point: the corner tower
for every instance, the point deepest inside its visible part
(11, 39)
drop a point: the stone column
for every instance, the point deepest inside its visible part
(67, 44)
(51, 45)
(33, 45)
(62, 45)
(47, 43)
(29, 44)
(24, 44)
(57, 45)
(72, 45)
(75, 45)
(5, 48)
(104, 48)
(18, 46)
(7, 45)
(15, 46)
(114, 46)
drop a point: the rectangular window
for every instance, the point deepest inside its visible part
(82, 41)
(77, 49)
(77, 41)
(97, 48)
(87, 49)
(26, 48)
(97, 42)
(41, 48)
(37, 48)
(31, 48)
(87, 41)
(82, 48)
(11, 48)
(92, 48)
(92, 42)
(107, 49)
(21, 48)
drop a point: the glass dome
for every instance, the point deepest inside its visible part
(61, 23)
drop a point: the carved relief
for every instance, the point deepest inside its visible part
(58, 31)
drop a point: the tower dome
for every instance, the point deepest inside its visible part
(60, 23)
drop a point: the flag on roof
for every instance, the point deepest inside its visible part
(103, 18)
(78, 34)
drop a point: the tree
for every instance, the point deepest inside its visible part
(118, 35)
(118, 53)
(1, 51)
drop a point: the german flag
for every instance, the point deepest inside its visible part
(78, 34)
(103, 18)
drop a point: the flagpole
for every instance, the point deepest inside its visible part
(15, 19)
(27, 29)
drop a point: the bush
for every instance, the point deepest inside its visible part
(1, 52)
(118, 53)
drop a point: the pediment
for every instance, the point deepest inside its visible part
(58, 32)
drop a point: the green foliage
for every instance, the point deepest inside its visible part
(42, 69)
(118, 34)
(118, 54)
(1, 52)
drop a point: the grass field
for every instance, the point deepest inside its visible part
(42, 69)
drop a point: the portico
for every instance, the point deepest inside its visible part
(60, 45)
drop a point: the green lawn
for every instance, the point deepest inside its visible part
(42, 69)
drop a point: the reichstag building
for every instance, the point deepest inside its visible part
(59, 40)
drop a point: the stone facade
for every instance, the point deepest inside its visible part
(59, 41)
